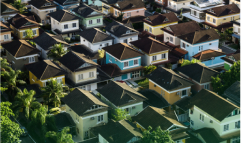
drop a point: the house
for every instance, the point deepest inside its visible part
(95, 39)
(126, 7)
(86, 110)
(122, 62)
(20, 23)
(66, 4)
(161, 4)
(198, 41)
(63, 120)
(82, 71)
(122, 131)
(154, 52)
(156, 117)
(178, 6)
(96, 3)
(181, 108)
(154, 23)
(232, 93)
(7, 11)
(172, 32)
(5, 33)
(41, 72)
(197, 9)
(236, 31)
(64, 23)
(210, 58)
(235, 2)
(205, 114)
(199, 74)
(219, 17)
(88, 16)
(19, 53)
(169, 84)
(122, 33)
(230, 59)
(126, 98)
(46, 41)
(42, 8)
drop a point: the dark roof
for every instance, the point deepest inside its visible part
(40, 3)
(122, 51)
(117, 132)
(109, 1)
(73, 61)
(86, 11)
(64, 120)
(208, 54)
(63, 2)
(192, 139)
(158, 19)
(134, 19)
(154, 117)
(4, 27)
(124, 95)
(80, 101)
(94, 35)
(179, 134)
(224, 10)
(231, 58)
(129, 4)
(45, 69)
(5, 6)
(182, 28)
(19, 21)
(63, 16)
(200, 36)
(47, 40)
(91, 140)
(120, 30)
(168, 79)
(184, 103)
(213, 105)
(150, 45)
(34, 87)
(233, 93)
(199, 72)
(154, 99)
(82, 49)
(20, 48)
(209, 135)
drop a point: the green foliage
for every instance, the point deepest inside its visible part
(31, 42)
(20, 6)
(108, 19)
(77, 37)
(60, 137)
(149, 69)
(5, 65)
(156, 136)
(144, 82)
(50, 123)
(120, 17)
(57, 52)
(158, 10)
(39, 115)
(187, 62)
(120, 114)
(29, 33)
(221, 82)
(53, 92)
(67, 39)
(101, 53)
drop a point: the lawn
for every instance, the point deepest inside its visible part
(144, 83)
(235, 46)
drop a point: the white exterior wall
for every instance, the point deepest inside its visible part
(235, 28)
(95, 46)
(60, 25)
(176, 40)
(177, 6)
(121, 39)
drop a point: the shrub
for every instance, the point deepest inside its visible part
(67, 39)
(77, 37)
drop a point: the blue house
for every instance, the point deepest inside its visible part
(67, 4)
(211, 58)
(122, 62)
(199, 41)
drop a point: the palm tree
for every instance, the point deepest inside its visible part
(57, 52)
(53, 92)
(5, 65)
(20, 6)
(25, 100)
(39, 115)
(29, 33)
(187, 62)
(60, 137)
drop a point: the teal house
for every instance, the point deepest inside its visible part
(122, 62)
(89, 17)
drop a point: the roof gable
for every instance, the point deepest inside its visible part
(158, 19)
(85, 11)
(63, 16)
(20, 20)
(224, 10)
(120, 30)
(94, 35)
(208, 54)
(5, 7)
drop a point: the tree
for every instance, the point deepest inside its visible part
(120, 114)
(25, 101)
(158, 10)
(29, 34)
(57, 52)
(5, 65)
(149, 69)
(187, 62)
(156, 136)
(53, 92)
(60, 137)
(20, 6)
(221, 82)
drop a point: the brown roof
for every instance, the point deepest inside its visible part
(224, 10)
(200, 36)
(235, 57)
(122, 51)
(220, 27)
(150, 45)
(20, 20)
(208, 54)
(129, 4)
(179, 52)
(158, 19)
(134, 19)
(5, 6)
(4, 27)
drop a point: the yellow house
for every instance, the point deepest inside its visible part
(221, 17)
(20, 23)
(42, 71)
(154, 23)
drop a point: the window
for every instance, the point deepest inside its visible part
(91, 74)
(183, 45)
(126, 64)
(86, 134)
(184, 92)
(43, 21)
(80, 76)
(24, 34)
(201, 117)
(34, 32)
(163, 56)
(195, 13)
(214, 20)
(150, 30)
(200, 48)
(107, 44)
(74, 24)
(5, 37)
(59, 80)
(98, 20)
(171, 39)
(206, 86)
(82, 87)
(128, 14)
(31, 59)
(100, 118)
(89, 87)
(162, 92)
(110, 59)
(237, 125)
(236, 140)
(115, 12)
(51, 11)
(192, 123)
(210, 43)
(125, 41)
(153, 58)
(135, 74)
(66, 26)
(90, 22)
(208, 18)
(128, 110)
(135, 62)
(226, 127)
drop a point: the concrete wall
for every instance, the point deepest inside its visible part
(95, 46)
(217, 61)
(87, 25)
(178, 5)
(156, 30)
(176, 40)
(60, 25)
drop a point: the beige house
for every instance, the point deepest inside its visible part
(7, 11)
(5, 33)
(42, 8)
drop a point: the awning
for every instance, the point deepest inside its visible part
(236, 36)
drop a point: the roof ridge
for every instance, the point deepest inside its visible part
(62, 16)
(19, 48)
(123, 51)
(44, 71)
(95, 36)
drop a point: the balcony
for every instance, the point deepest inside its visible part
(188, 15)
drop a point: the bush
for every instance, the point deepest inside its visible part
(67, 39)
(77, 37)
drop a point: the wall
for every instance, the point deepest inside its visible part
(19, 32)
(95, 46)
(236, 29)
(156, 30)
(177, 6)
(96, 2)
(121, 39)
(60, 25)
(2, 37)
(176, 40)
(85, 22)
(42, 13)
(158, 57)
(235, 2)
(221, 19)
(138, 108)
(217, 61)
(134, 12)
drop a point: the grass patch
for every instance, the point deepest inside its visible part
(144, 83)
(235, 46)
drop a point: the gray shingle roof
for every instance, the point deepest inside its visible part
(94, 35)
(20, 20)
(62, 2)
(82, 49)
(129, 4)
(86, 11)
(64, 120)
(120, 30)
(40, 3)
(233, 93)
(63, 16)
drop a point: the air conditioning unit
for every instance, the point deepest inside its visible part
(134, 107)
(92, 118)
(211, 121)
(178, 93)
